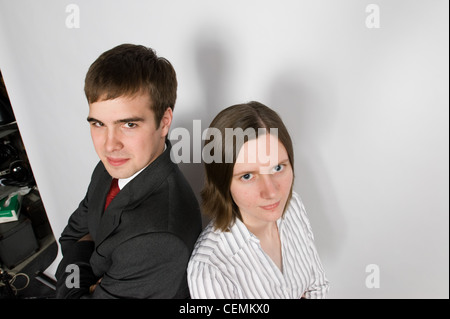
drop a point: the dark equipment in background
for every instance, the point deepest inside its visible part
(6, 112)
(27, 244)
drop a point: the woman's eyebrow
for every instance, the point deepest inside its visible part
(243, 172)
(252, 171)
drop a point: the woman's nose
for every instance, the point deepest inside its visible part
(268, 186)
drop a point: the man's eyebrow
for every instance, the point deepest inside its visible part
(91, 119)
(131, 119)
(127, 120)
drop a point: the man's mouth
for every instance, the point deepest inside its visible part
(116, 161)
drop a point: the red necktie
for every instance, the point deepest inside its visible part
(113, 191)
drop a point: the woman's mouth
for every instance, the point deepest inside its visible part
(271, 206)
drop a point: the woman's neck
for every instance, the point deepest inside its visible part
(269, 239)
(263, 230)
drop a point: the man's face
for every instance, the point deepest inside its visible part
(125, 135)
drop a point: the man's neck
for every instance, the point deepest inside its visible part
(125, 181)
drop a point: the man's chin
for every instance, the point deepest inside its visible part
(117, 172)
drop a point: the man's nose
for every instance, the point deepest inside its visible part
(113, 141)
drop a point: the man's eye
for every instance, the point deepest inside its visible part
(97, 124)
(130, 125)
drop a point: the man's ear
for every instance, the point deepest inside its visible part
(166, 121)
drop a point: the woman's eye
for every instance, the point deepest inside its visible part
(246, 177)
(278, 168)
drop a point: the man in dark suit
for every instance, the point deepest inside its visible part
(138, 243)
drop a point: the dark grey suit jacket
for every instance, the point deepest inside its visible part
(142, 242)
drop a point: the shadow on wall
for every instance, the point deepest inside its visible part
(297, 95)
(212, 71)
(308, 116)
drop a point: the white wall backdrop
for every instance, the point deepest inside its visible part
(363, 90)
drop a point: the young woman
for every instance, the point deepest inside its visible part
(259, 243)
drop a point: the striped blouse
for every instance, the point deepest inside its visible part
(233, 264)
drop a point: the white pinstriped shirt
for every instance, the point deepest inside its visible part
(229, 265)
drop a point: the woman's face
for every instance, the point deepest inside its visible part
(261, 184)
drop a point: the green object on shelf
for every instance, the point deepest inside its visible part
(9, 209)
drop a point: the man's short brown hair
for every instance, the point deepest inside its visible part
(127, 70)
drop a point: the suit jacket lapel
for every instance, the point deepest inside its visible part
(143, 185)
(97, 203)
(111, 216)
